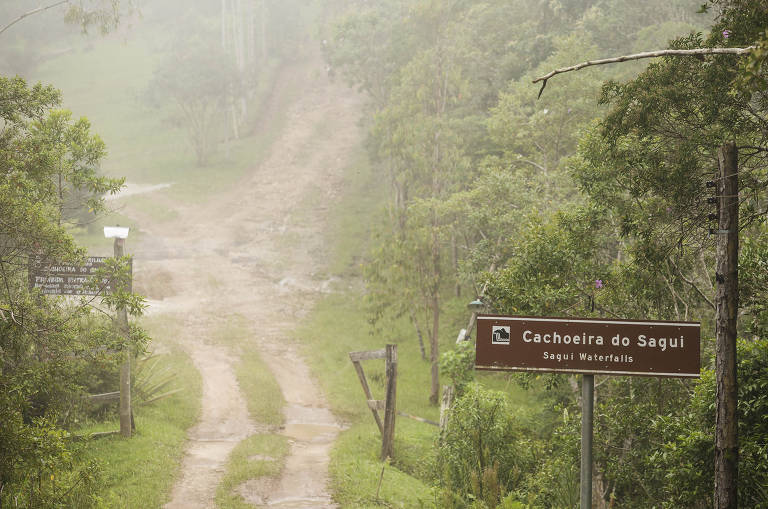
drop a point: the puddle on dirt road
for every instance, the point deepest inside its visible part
(311, 430)
(309, 424)
(299, 502)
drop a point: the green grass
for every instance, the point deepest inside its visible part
(338, 324)
(140, 471)
(257, 456)
(262, 393)
(261, 455)
(356, 471)
(157, 211)
(350, 228)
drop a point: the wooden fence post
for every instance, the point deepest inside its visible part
(126, 412)
(356, 357)
(390, 410)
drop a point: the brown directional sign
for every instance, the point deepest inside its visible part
(581, 345)
(62, 279)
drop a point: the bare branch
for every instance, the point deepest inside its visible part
(753, 147)
(645, 54)
(693, 285)
(30, 13)
(532, 163)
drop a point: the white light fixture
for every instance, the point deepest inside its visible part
(119, 232)
(476, 305)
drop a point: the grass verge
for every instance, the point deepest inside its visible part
(360, 479)
(338, 324)
(139, 472)
(262, 393)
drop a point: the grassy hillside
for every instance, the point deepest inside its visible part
(338, 325)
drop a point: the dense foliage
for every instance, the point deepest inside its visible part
(52, 350)
(484, 452)
(588, 201)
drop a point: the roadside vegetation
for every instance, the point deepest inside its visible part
(587, 201)
(140, 472)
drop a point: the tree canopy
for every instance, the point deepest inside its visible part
(588, 201)
(52, 351)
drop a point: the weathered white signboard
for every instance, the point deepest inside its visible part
(63, 279)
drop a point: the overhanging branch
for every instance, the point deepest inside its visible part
(645, 54)
(30, 13)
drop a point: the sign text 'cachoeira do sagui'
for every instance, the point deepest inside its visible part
(581, 345)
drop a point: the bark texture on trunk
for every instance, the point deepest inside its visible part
(727, 305)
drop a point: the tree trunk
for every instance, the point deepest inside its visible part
(727, 305)
(445, 406)
(415, 323)
(263, 21)
(434, 392)
(455, 264)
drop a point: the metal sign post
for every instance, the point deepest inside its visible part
(588, 346)
(587, 420)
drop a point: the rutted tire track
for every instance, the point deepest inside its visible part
(255, 252)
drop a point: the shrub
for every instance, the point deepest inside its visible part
(483, 452)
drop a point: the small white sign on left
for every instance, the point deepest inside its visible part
(118, 232)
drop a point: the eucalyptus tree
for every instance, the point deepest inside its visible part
(194, 84)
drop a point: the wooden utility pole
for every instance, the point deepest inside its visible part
(727, 306)
(126, 413)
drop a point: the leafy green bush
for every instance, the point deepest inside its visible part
(673, 453)
(555, 483)
(36, 470)
(688, 451)
(484, 452)
(458, 365)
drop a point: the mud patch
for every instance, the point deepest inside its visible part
(156, 284)
(256, 491)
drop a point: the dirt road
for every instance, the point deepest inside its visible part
(255, 251)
